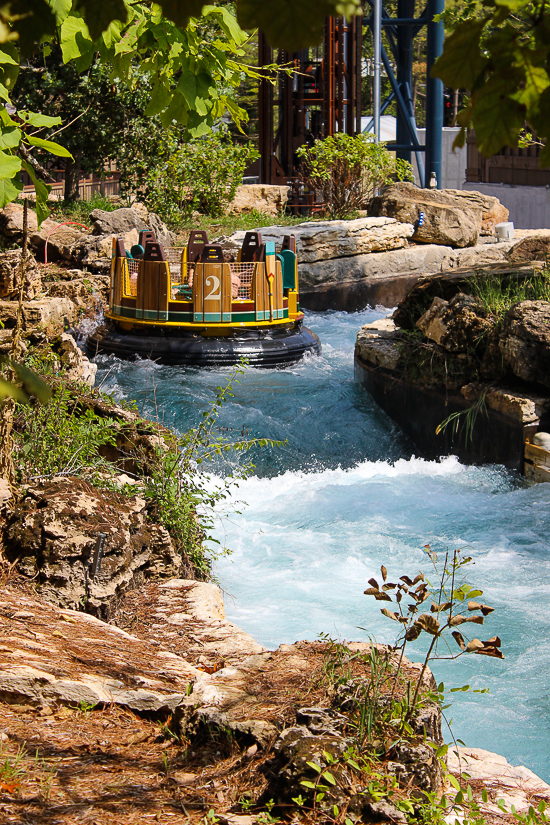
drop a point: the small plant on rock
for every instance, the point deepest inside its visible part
(452, 604)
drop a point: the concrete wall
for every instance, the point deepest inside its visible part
(529, 205)
(454, 163)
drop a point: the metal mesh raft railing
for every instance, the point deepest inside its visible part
(130, 278)
(241, 281)
(181, 277)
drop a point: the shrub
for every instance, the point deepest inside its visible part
(346, 171)
(201, 175)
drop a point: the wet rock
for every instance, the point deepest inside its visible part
(266, 198)
(525, 341)
(10, 265)
(380, 345)
(447, 220)
(519, 406)
(76, 365)
(48, 315)
(458, 325)
(52, 534)
(327, 240)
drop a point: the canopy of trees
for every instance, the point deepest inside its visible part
(187, 51)
(500, 52)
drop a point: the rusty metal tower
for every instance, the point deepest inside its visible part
(320, 98)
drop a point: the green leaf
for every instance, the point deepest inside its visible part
(9, 390)
(75, 39)
(314, 766)
(10, 165)
(462, 62)
(31, 20)
(307, 784)
(50, 146)
(454, 782)
(9, 190)
(32, 382)
(38, 120)
(289, 25)
(329, 777)
(179, 11)
(100, 15)
(42, 191)
(10, 137)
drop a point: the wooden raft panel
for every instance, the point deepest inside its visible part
(212, 293)
(537, 463)
(260, 291)
(152, 291)
(117, 281)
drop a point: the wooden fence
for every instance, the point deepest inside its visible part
(516, 167)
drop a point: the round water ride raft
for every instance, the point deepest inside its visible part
(203, 305)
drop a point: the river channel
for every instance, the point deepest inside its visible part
(346, 494)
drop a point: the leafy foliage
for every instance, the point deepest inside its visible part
(201, 175)
(99, 112)
(498, 295)
(55, 439)
(500, 54)
(452, 605)
(346, 171)
(183, 495)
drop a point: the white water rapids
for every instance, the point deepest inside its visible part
(343, 497)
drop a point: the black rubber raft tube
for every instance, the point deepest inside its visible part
(269, 348)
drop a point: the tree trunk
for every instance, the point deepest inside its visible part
(72, 178)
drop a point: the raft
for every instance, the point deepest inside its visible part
(203, 305)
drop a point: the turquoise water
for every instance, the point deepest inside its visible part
(344, 496)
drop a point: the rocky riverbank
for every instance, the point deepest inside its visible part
(169, 711)
(463, 364)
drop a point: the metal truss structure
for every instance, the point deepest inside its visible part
(323, 95)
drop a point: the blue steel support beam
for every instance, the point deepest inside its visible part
(434, 96)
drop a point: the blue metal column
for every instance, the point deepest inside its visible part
(405, 10)
(434, 97)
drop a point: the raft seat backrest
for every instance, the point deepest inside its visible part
(288, 263)
(289, 242)
(252, 244)
(198, 239)
(120, 251)
(146, 236)
(154, 252)
(212, 253)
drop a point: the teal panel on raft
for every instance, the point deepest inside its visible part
(288, 259)
(270, 248)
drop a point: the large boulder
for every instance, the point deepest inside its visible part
(59, 239)
(447, 220)
(123, 221)
(525, 341)
(77, 367)
(10, 267)
(259, 197)
(53, 532)
(492, 210)
(458, 325)
(533, 248)
(327, 240)
(49, 315)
